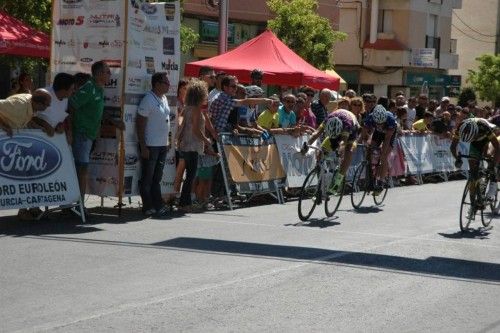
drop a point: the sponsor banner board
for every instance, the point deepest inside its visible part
(36, 170)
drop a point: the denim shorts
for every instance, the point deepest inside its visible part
(81, 149)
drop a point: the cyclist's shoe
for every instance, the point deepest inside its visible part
(492, 191)
(378, 187)
(336, 184)
(471, 214)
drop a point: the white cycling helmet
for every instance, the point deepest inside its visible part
(254, 91)
(333, 127)
(379, 114)
(468, 130)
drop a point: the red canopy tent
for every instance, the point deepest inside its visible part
(281, 65)
(17, 38)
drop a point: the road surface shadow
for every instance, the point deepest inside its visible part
(59, 223)
(436, 266)
(315, 223)
(479, 233)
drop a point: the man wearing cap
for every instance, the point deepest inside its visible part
(443, 106)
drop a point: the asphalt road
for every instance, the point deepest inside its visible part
(402, 267)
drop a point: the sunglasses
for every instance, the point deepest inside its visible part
(289, 102)
(310, 95)
(232, 86)
(356, 104)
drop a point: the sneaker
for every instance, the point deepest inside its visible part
(163, 211)
(150, 212)
(492, 191)
(471, 214)
(378, 187)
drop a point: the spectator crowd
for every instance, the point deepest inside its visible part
(213, 103)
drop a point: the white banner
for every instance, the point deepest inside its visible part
(295, 164)
(429, 153)
(154, 46)
(36, 170)
(87, 31)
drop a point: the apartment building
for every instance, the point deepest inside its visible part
(398, 45)
(475, 30)
(392, 45)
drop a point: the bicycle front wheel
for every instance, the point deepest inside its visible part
(309, 195)
(487, 215)
(379, 199)
(333, 200)
(359, 186)
(467, 209)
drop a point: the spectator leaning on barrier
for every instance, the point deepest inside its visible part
(269, 118)
(86, 111)
(153, 127)
(442, 126)
(319, 106)
(221, 107)
(411, 111)
(54, 116)
(305, 117)
(16, 112)
(287, 118)
(422, 126)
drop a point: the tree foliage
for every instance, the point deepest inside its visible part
(486, 80)
(299, 26)
(36, 14)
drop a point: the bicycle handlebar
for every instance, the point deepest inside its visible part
(488, 159)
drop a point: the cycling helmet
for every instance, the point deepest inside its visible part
(256, 74)
(468, 130)
(379, 114)
(254, 91)
(333, 127)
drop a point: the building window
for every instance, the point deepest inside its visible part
(439, 2)
(384, 21)
(453, 46)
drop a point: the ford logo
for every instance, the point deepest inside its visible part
(86, 59)
(26, 157)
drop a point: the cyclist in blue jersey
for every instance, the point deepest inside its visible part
(381, 126)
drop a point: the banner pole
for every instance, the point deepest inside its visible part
(121, 154)
(224, 176)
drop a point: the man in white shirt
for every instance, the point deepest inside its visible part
(153, 127)
(54, 116)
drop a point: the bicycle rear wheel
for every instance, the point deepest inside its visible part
(379, 199)
(309, 194)
(467, 211)
(359, 185)
(333, 200)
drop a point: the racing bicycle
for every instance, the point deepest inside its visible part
(364, 179)
(314, 190)
(474, 198)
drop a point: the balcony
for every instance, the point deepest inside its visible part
(434, 43)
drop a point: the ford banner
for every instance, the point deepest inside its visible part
(36, 170)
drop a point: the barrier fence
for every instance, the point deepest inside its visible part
(37, 170)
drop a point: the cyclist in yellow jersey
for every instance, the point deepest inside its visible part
(340, 126)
